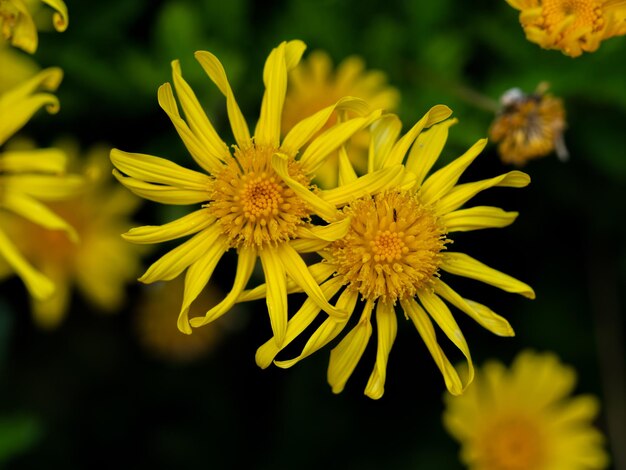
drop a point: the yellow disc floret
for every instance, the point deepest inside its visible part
(587, 15)
(252, 203)
(392, 248)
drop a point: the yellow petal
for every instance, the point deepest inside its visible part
(385, 132)
(186, 225)
(466, 266)
(387, 327)
(50, 312)
(60, 19)
(276, 300)
(205, 156)
(245, 264)
(215, 148)
(22, 30)
(462, 193)
(318, 206)
(427, 149)
(296, 269)
(159, 170)
(302, 319)
(401, 147)
(38, 285)
(267, 132)
(346, 173)
(346, 355)
(198, 275)
(215, 70)
(177, 260)
(44, 187)
(330, 233)
(161, 193)
(483, 315)
(476, 218)
(440, 312)
(426, 330)
(443, 180)
(37, 160)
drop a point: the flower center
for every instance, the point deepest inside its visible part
(252, 203)
(587, 14)
(392, 248)
(513, 443)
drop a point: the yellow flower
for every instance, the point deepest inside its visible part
(523, 418)
(314, 85)
(572, 26)
(101, 262)
(397, 224)
(17, 24)
(30, 176)
(244, 201)
(529, 126)
(156, 327)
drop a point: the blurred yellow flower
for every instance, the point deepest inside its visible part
(244, 200)
(313, 85)
(18, 26)
(15, 67)
(523, 418)
(100, 263)
(394, 250)
(30, 176)
(156, 326)
(529, 126)
(572, 26)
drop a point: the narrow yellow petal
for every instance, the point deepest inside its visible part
(483, 315)
(276, 300)
(49, 160)
(161, 193)
(466, 266)
(177, 260)
(462, 193)
(427, 149)
(330, 233)
(426, 330)
(296, 269)
(38, 285)
(215, 70)
(267, 131)
(345, 169)
(320, 207)
(245, 264)
(387, 328)
(22, 31)
(443, 180)
(44, 187)
(302, 319)
(159, 170)
(198, 275)
(476, 218)
(60, 19)
(293, 53)
(186, 225)
(49, 313)
(401, 147)
(346, 355)
(385, 132)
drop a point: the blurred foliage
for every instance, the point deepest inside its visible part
(98, 396)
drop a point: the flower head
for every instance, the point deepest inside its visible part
(313, 85)
(522, 418)
(529, 126)
(18, 26)
(245, 201)
(394, 253)
(28, 177)
(572, 26)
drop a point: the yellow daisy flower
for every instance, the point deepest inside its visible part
(313, 85)
(30, 176)
(572, 26)
(529, 126)
(394, 251)
(101, 263)
(244, 201)
(18, 27)
(523, 418)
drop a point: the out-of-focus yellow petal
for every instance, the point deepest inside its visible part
(44, 187)
(60, 18)
(215, 70)
(19, 27)
(427, 149)
(33, 161)
(476, 218)
(186, 225)
(276, 300)
(466, 266)
(161, 193)
(387, 327)
(49, 312)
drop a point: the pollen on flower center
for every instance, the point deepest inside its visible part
(512, 443)
(252, 203)
(587, 13)
(392, 248)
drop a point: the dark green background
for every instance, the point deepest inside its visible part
(87, 393)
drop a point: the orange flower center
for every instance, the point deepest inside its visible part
(587, 14)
